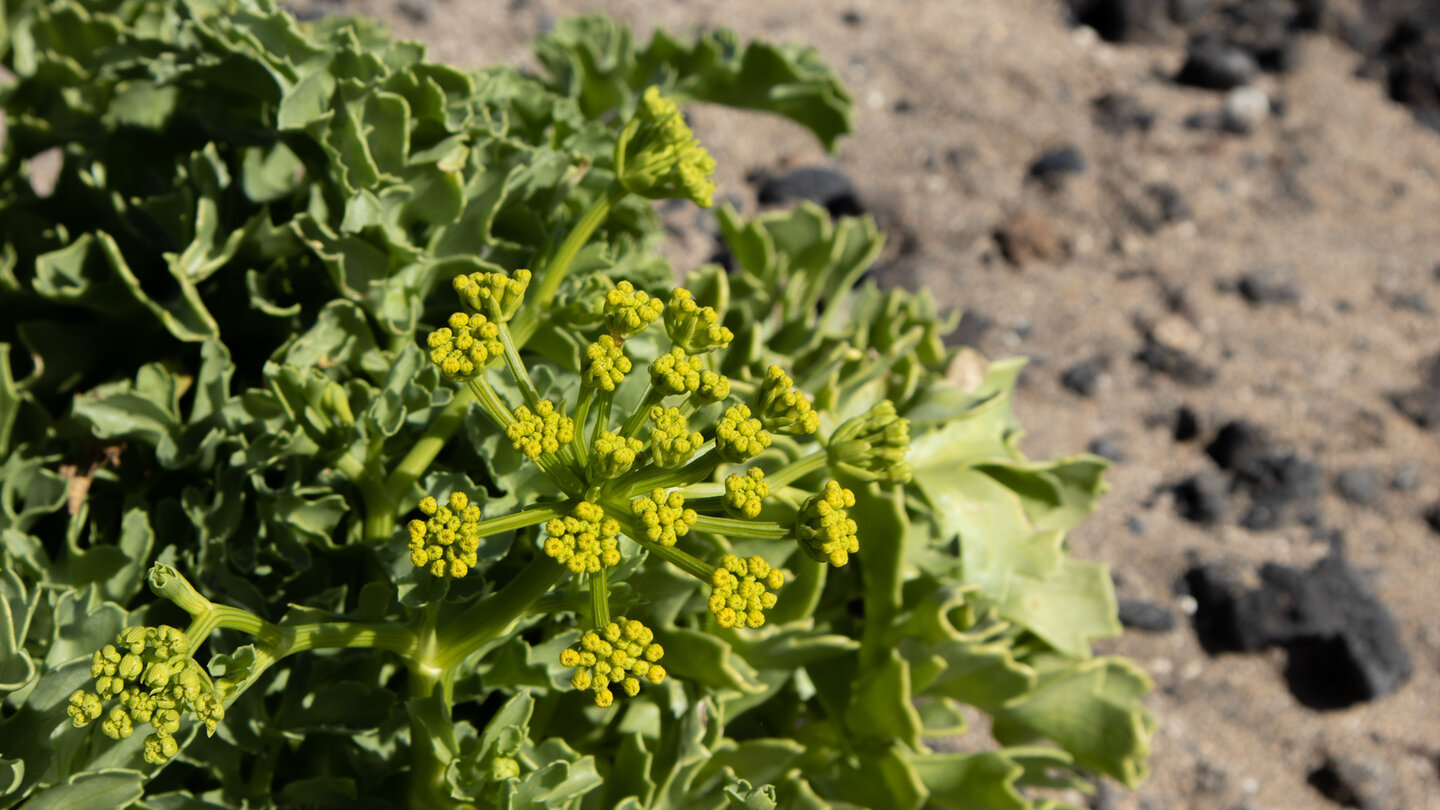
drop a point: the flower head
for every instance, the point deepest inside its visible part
(824, 527)
(743, 590)
(611, 456)
(745, 494)
(694, 328)
(663, 517)
(739, 437)
(675, 373)
(659, 156)
(540, 431)
(782, 408)
(604, 365)
(150, 677)
(873, 447)
(621, 653)
(628, 310)
(713, 388)
(445, 544)
(462, 349)
(506, 292)
(672, 442)
(584, 540)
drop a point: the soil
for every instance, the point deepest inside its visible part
(1173, 258)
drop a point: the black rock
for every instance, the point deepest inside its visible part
(1055, 166)
(903, 107)
(1412, 301)
(1432, 517)
(1187, 424)
(1422, 404)
(1108, 448)
(417, 11)
(1214, 64)
(1130, 20)
(851, 18)
(1283, 487)
(1406, 478)
(825, 187)
(1172, 205)
(1265, 287)
(1138, 614)
(1201, 498)
(1083, 378)
(1343, 645)
(971, 330)
(1358, 485)
(1175, 363)
(1237, 444)
(1119, 113)
(1135, 525)
(1348, 783)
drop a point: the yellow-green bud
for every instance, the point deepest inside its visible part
(745, 494)
(873, 447)
(463, 348)
(628, 310)
(543, 430)
(824, 528)
(584, 541)
(622, 652)
(663, 517)
(160, 749)
(661, 156)
(675, 373)
(605, 364)
(84, 707)
(738, 436)
(713, 388)
(672, 443)
(612, 456)
(447, 542)
(783, 409)
(477, 290)
(739, 595)
(694, 328)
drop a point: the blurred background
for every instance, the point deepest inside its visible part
(1214, 227)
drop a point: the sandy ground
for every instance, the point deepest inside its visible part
(1338, 195)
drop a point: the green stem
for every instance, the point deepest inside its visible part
(488, 618)
(428, 446)
(582, 415)
(558, 266)
(637, 419)
(734, 527)
(491, 403)
(529, 516)
(600, 598)
(512, 356)
(648, 478)
(379, 506)
(797, 469)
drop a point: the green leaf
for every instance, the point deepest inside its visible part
(10, 399)
(883, 779)
(96, 790)
(881, 708)
(984, 781)
(705, 659)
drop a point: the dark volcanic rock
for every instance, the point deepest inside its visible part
(1266, 287)
(1107, 448)
(1358, 485)
(1187, 424)
(1118, 113)
(1432, 517)
(1053, 168)
(1214, 64)
(1129, 20)
(1201, 498)
(1237, 444)
(1351, 783)
(1422, 404)
(1151, 617)
(1406, 478)
(1343, 644)
(825, 187)
(1084, 378)
(1175, 363)
(1283, 487)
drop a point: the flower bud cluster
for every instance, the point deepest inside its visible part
(745, 494)
(477, 290)
(782, 408)
(739, 437)
(611, 456)
(663, 517)
(585, 540)
(672, 442)
(713, 388)
(667, 160)
(694, 328)
(543, 430)
(149, 673)
(620, 653)
(824, 528)
(445, 544)
(628, 310)
(675, 373)
(873, 447)
(739, 596)
(462, 349)
(604, 365)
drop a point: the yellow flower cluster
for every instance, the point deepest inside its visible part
(445, 544)
(824, 527)
(672, 442)
(584, 541)
(542, 430)
(628, 310)
(782, 408)
(694, 328)
(605, 364)
(739, 437)
(507, 291)
(611, 456)
(740, 597)
(462, 349)
(675, 373)
(620, 653)
(663, 517)
(745, 494)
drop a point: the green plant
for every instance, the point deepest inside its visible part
(447, 532)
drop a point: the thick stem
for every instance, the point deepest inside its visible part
(600, 598)
(797, 469)
(379, 506)
(699, 469)
(488, 618)
(512, 357)
(555, 270)
(734, 527)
